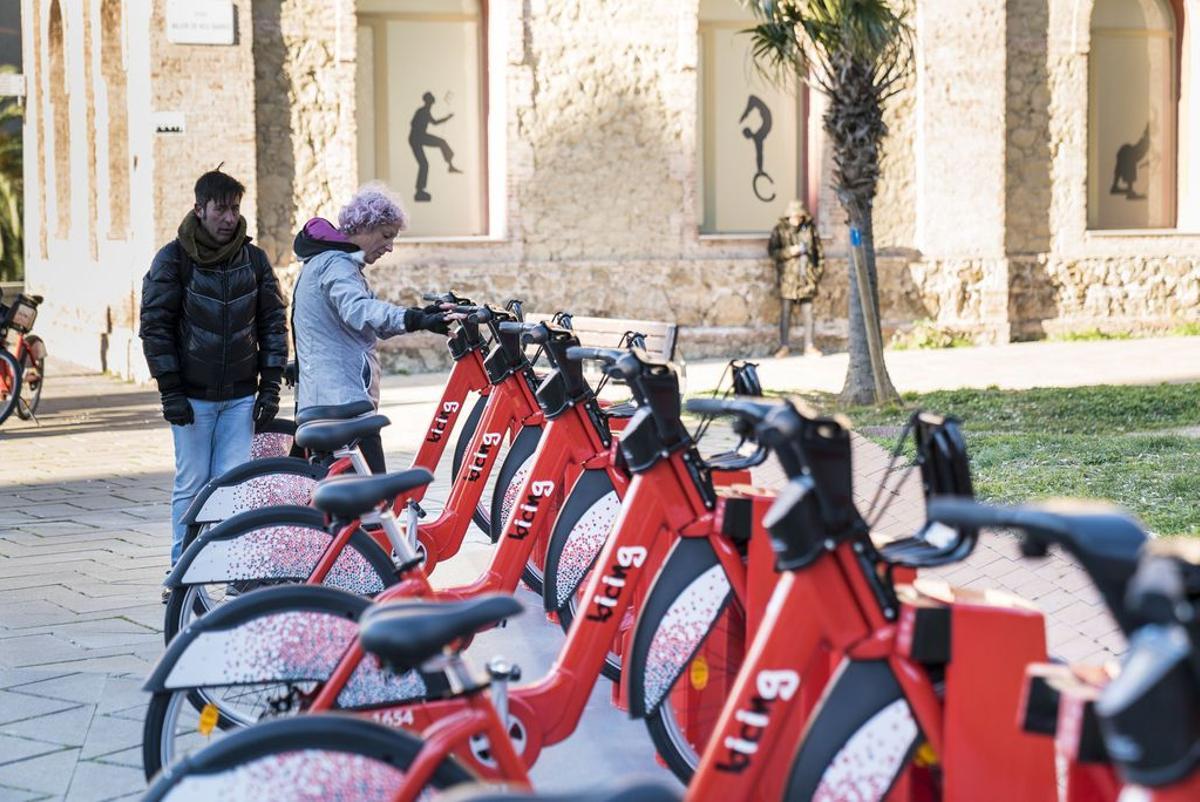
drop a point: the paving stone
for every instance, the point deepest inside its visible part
(78, 687)
(15, 706)
(112, 735)
(95, 781)
(67, 728)
(49, 774)
(13, 749)
(10, 794)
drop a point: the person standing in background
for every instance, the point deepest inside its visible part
(796, 249)
(214, 332)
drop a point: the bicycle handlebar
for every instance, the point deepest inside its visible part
(1103, 541)
(608, 356)
(751, 411)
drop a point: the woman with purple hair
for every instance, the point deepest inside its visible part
(336, 319)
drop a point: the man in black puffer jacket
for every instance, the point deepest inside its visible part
(214, 331)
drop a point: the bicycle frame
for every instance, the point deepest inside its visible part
(569, 443)
(830, 609)
(665, 499)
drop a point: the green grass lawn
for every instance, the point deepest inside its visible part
(1108, 442)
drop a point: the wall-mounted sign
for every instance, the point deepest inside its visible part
(200, 22)
(167, 122)
(12, 84)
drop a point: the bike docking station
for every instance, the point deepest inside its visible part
(773, 649)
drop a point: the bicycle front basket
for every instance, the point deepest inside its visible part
(21, 315)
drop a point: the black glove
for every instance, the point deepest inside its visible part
(176, 409)
(417, 319)
(266, 406)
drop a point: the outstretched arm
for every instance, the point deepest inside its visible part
(356, 307)
(436, 121)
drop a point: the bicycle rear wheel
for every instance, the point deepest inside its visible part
(10, 384)
(33, 376)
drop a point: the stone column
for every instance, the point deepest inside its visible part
(961, 173)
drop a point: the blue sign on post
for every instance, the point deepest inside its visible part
(855, 236)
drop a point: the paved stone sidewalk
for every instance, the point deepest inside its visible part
(83, 541)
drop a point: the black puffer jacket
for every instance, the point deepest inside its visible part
(216, 328)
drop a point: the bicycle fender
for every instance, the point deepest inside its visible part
(294, 633)
(305, 757)
(688, 594)
(858, 741)
(280, 543)
(590, 511)
(254, 484)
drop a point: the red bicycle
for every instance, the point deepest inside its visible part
(1133, 730)
(23, 369)
(201, 657)
(466, 730)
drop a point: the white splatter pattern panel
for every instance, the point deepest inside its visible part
(279, 646)
(510, 492)
(681, 630)
(867, 764)
(371, 685)
(584, 542)
(268, 490)
(307, 775)
(281, 552)
(270, 444)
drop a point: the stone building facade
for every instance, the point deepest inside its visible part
(592, 172)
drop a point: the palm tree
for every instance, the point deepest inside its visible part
(12, 232)
(857, 53)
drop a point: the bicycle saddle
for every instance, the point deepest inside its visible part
(406, 634)
(636, 790)
(351, 496)
(331, 435)
(334, 412)
(1103, 539)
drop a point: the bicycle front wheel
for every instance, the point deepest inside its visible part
(10, 384)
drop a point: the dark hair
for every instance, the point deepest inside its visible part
(217, 186)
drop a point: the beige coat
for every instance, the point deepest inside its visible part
(798, 262)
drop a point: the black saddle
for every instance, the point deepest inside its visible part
(352, 496)
(408, 633)
(635, 790)
(325, 436)
(334, 412)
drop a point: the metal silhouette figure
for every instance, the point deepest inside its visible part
(1129, 159)
(419, 138)
(753, 103)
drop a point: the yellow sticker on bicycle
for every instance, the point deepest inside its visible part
(699, 673)
(208, 719)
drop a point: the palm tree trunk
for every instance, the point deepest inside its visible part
(860, 376)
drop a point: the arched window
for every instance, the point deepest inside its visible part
(62, 125)
(422, 109)
(751, 132)
(112, 68)
(1133, 94)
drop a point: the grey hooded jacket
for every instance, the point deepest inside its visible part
(337, 321)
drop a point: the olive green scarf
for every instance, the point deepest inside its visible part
(201, 246)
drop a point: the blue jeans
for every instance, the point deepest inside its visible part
(219, 439)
